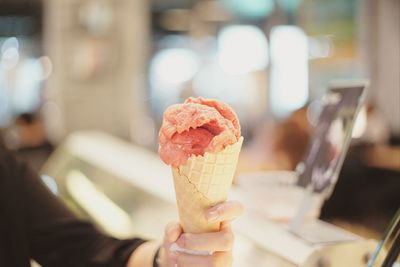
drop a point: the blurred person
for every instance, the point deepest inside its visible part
(282, 145)
(35, 225)
(278, 146)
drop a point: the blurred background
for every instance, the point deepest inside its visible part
(114, 66)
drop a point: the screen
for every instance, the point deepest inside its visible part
(330, 139)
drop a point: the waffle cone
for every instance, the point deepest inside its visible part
(203, 182)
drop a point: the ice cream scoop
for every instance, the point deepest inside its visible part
(197, 126)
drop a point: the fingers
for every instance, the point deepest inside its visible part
(172, 231)
(218, 241)
(218, 259)
(225, 211)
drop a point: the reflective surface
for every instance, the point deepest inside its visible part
(388, 251)
(127, 191)
(331, 138)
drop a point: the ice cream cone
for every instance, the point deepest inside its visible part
(203, 182)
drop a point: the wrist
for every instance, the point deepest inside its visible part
(143, 256)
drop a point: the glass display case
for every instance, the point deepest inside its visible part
(126, 190)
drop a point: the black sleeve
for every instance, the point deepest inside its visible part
(57, 238)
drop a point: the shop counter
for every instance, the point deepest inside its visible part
(126, 190)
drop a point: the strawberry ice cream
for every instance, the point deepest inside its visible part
(197, 126)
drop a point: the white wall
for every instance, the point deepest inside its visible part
(112, 100)
(380, 42)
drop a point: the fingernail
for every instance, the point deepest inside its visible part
(172, 233)
(213, 215)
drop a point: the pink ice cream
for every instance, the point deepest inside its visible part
(197, 126)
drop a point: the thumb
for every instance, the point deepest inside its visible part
(172, 232)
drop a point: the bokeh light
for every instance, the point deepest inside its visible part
(289, 70)
(11, 42)
(213, 82)
(242, 49)
(174, 66)
(9, 58)
(251, 8)
(46, 66)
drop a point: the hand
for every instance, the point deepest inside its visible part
(219, 244)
